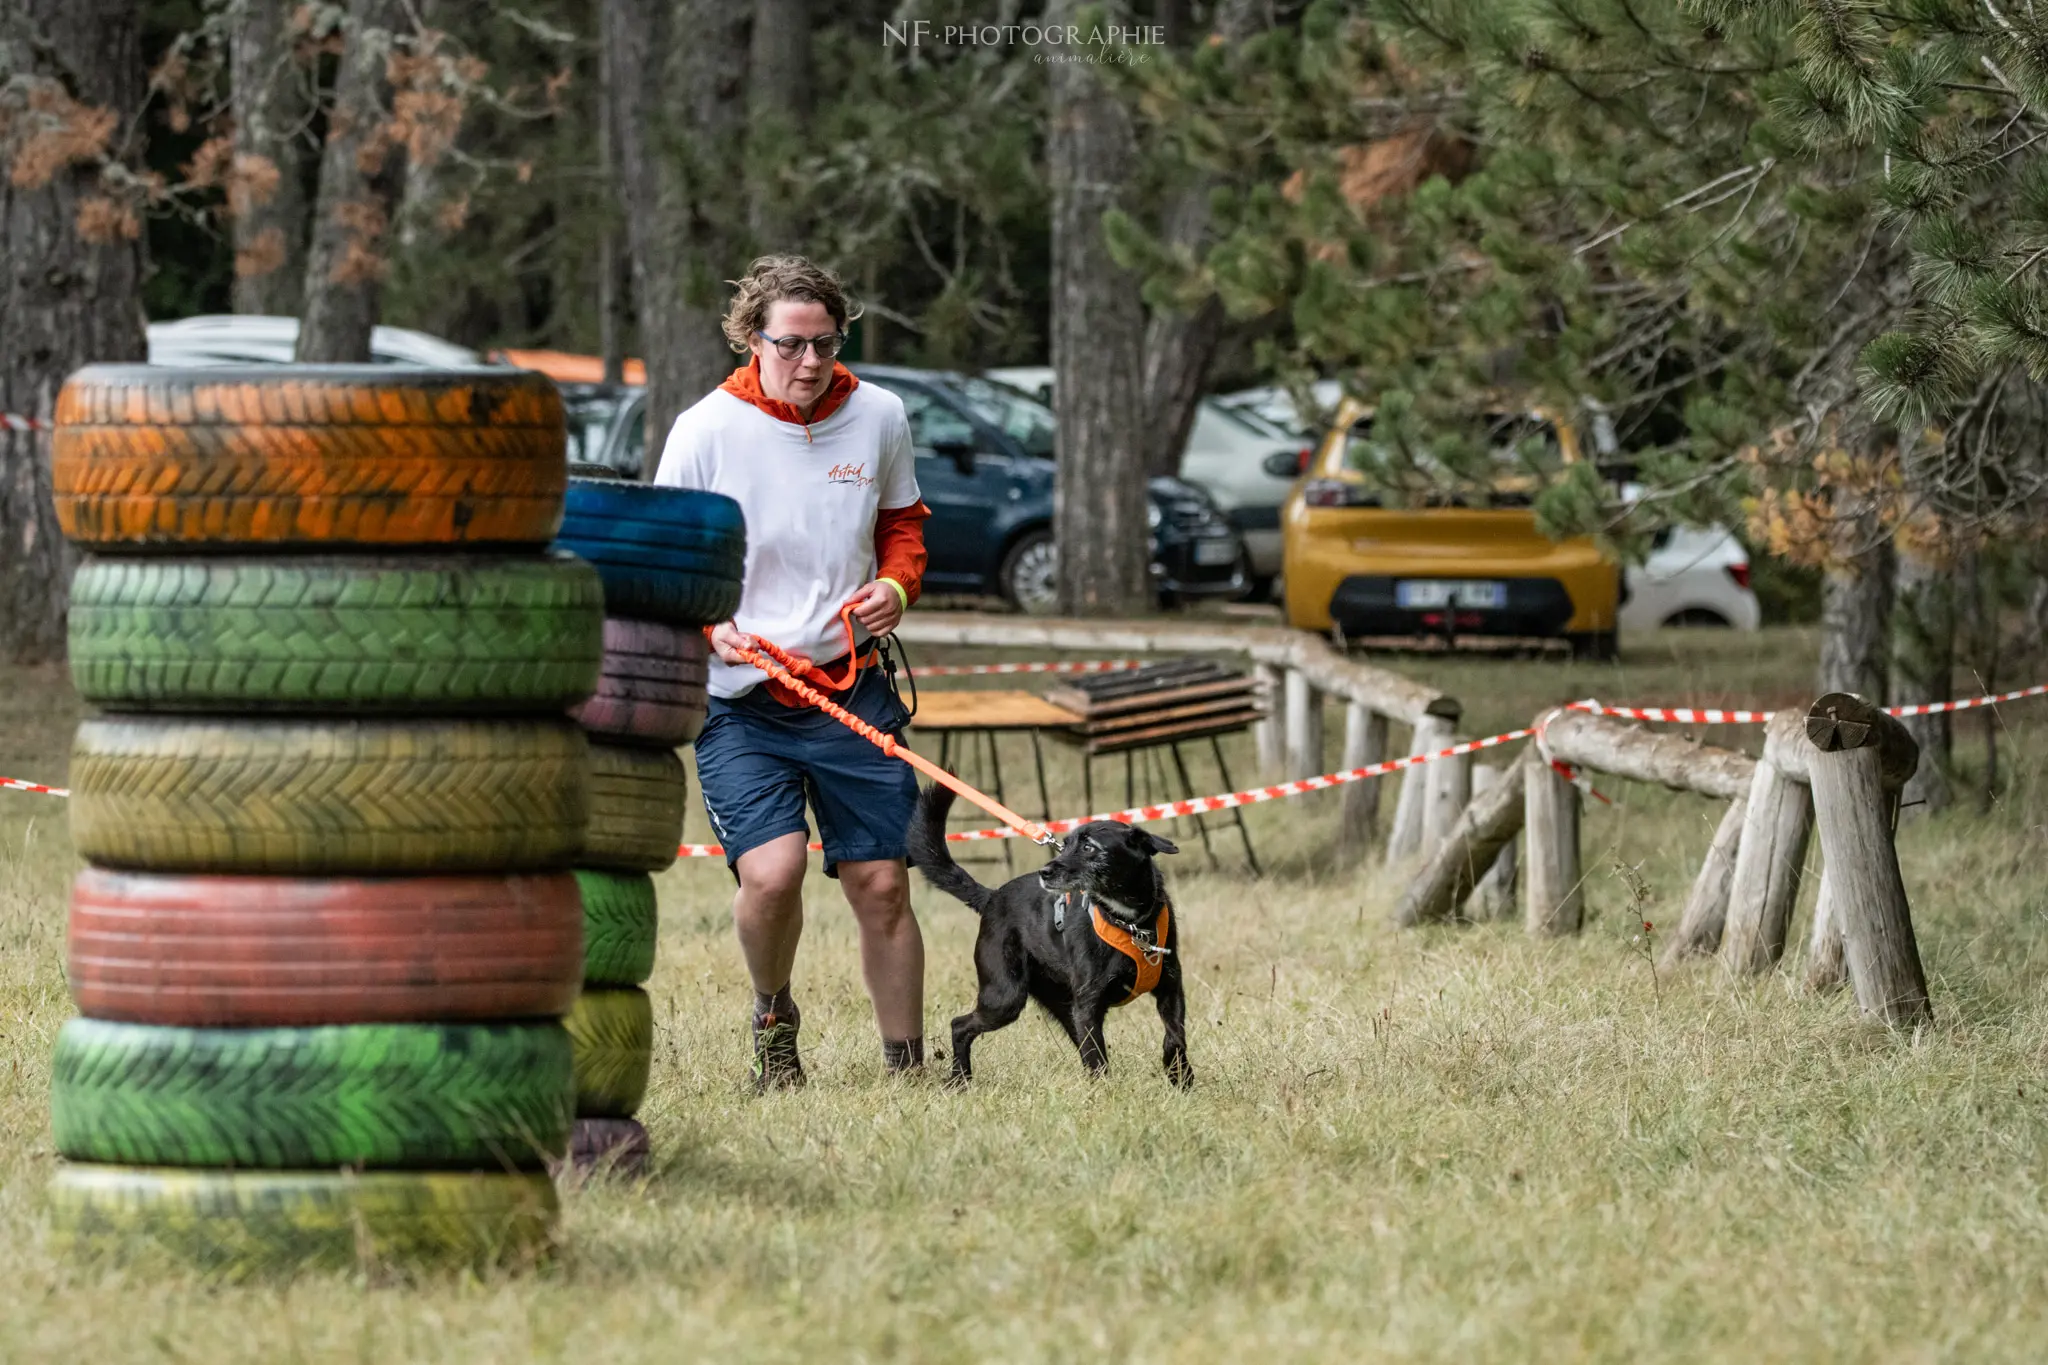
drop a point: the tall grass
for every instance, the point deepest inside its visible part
(1448, 1144)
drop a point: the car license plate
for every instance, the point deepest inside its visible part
(1218, 551)
(1471, 593)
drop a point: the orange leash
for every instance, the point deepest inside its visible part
(790, 671)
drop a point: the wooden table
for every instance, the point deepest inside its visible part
(978, 717)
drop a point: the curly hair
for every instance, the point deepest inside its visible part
(774, 279)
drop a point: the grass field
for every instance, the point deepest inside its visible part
(1455, 1144)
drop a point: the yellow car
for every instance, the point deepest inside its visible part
(1358, 568)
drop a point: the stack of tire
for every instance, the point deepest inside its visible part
(671, 561)
(330, 806)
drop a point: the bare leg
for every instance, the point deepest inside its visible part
(891, 947)
(768, 910)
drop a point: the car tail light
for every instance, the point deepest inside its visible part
(1740, 573)
(1336, 493)
(1302, 458)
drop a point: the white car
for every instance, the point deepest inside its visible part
(1276, 407)
(252, 338)
(1242, 461)
(1694, 576)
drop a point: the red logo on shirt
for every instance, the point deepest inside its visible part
(853, 475)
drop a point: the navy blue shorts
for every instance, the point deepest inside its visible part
(759, 761)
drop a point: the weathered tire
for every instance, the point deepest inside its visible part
(306, 797)
(652, 688)
(249, 952)
(637, 801)
(665, 554)
(419, 635)
(611, 1034)
(609, 1146)
(261, 1221)
(151, 458)
(404, 1096)
(620, 925)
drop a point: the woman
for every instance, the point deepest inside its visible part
(822, 466)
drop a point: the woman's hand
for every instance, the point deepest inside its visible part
(726, 639)
(878, 608)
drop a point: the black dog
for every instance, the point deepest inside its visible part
(1080, 936)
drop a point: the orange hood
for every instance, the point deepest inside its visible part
(745, 385)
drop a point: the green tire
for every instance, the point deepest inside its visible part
(205, 794)
(443, 633)
(637, 802)
(612, 1034)
(448, 1096)
(620, 921)
(254, 1221)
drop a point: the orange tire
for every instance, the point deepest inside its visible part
(146, 457)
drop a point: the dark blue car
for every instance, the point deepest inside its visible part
(985, 467)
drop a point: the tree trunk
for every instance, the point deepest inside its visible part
(778, 119)
(1856, 603)
(360, 178)
(680, 72)
(1923, 662)
(1181, 345)
(1099, 496)
(270, 108)
(614, 295)
(64, 301)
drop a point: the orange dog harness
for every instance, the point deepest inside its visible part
(1147, 951)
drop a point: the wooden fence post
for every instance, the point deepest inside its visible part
(1448, 793)
(1553, 896)
(1430, 734)
(1494, 897)
(1765, 884)
(1706, 909)
(1856, 749)
(1365, 743)
(1266, 734)
(1304, 726)
(1469, 849)
(1826, 968)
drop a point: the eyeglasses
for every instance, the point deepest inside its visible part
(789, 348)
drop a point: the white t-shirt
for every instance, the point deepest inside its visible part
(810, 507)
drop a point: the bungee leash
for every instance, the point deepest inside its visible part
(791, 672)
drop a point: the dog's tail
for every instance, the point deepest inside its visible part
(928, 851)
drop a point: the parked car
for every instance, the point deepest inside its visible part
(1241, 460)
(254, 338)
(985, 467)
(1467, 566)
(1276, 407)
(1694, 576)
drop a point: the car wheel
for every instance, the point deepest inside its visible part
(1030, 576)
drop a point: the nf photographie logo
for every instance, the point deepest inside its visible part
(1103, 42)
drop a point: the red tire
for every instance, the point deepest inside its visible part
(284, 951)
(652, 689)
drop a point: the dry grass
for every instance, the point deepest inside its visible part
(1453, 1144)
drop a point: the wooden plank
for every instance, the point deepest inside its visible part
(1110, 725)
(1087, 709)
(1188, 729)
(965, 710)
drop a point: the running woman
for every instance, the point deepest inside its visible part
(822, 465)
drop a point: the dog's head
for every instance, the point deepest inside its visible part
(1111, 860)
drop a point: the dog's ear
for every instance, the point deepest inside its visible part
(1158, 844)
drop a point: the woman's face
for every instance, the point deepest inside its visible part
(801, 381)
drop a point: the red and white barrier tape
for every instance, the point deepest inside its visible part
(983, 670)
(1251, 796)
(12, 422)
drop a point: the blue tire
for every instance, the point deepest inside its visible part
(665, 554)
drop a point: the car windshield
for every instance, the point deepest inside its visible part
(1250, 421)
(591, 414)
(1017, 414)
(1497, 460)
